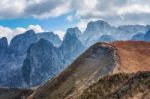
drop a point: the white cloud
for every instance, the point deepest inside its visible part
(135, 8)
(60, 34)
(10, 33)
(36, 28)
(5, 32)
(34, 8)
(11, 8)
(116, 12)
(69, 18)
(82, 25)
(58, 10)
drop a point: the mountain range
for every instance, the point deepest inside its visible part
(33, 58)
(103, 71)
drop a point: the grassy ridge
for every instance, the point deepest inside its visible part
(119, 86)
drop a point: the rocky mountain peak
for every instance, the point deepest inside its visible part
(21, 42)
(51, 37)
(3, 42)
(41, 63)
(97, 26)
(147, 35)
(73, 31)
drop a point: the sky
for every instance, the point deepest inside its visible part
(17, 16)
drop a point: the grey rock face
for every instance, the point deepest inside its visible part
(96, 29)
(14, 57)
(75, 31)
(20, 43)
(71, 46)
(106, 38)
(3, 43)
(3, 49)
(138, 37)
(42, 62)
(134, 28)
(51, 37)
(34, 58)
(93, 31)
(147, 36)
(98, 26)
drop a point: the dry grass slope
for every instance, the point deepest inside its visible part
(120, 86)
(134, 56)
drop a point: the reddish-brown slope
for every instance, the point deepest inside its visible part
(134, 56)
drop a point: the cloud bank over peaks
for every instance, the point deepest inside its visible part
(10, 33)
(116, 12)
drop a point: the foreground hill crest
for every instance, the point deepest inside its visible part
(98, 61)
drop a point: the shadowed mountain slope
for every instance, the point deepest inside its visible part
(97, 61)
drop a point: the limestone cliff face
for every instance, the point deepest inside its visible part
(42, 62)
(147, 36)
(3, 49)
(71, 47)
